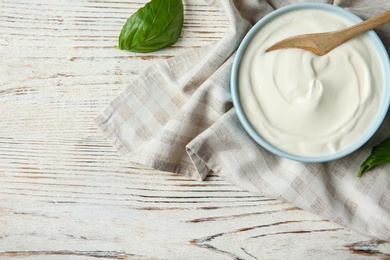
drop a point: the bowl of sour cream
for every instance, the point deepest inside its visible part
(305, 107)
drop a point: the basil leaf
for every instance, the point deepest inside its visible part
(156, 25)
(380, 154)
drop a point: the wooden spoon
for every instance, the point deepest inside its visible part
(322, 43)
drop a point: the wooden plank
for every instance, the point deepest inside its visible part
(66, 193)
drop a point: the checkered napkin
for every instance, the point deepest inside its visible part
(178, 117)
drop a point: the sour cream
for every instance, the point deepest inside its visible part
(305, 104)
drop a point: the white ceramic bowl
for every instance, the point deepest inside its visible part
(384, 60)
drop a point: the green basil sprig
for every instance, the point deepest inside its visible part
(156, 25)
(380, 154)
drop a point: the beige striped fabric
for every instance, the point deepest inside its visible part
(178, 117)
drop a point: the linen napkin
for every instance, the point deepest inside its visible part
(178, 117)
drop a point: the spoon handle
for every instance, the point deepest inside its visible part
(369, 24)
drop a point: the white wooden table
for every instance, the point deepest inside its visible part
(66, 193)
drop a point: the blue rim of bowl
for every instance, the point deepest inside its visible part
(385, 65)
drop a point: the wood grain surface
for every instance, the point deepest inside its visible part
(65, 193)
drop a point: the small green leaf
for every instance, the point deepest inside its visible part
(380, 154)
(156, 25)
